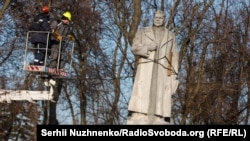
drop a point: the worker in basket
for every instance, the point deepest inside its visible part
(39, 39)
(60, 29)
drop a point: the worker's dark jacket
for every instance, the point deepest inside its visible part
(41, 24)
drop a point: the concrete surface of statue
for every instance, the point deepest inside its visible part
(156, 77)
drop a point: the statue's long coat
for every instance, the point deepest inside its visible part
(154, 95)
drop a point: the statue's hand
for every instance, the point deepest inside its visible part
(152, 46)
(175, 83)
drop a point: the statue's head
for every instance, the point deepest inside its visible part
(159, 18)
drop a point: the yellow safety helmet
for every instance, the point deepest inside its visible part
(67, 14)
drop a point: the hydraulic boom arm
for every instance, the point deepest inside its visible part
(19, 95)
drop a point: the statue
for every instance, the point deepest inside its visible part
(156, 77)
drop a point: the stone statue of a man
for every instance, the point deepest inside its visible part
(156, 76)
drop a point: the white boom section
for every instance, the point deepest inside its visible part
(19, 95)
